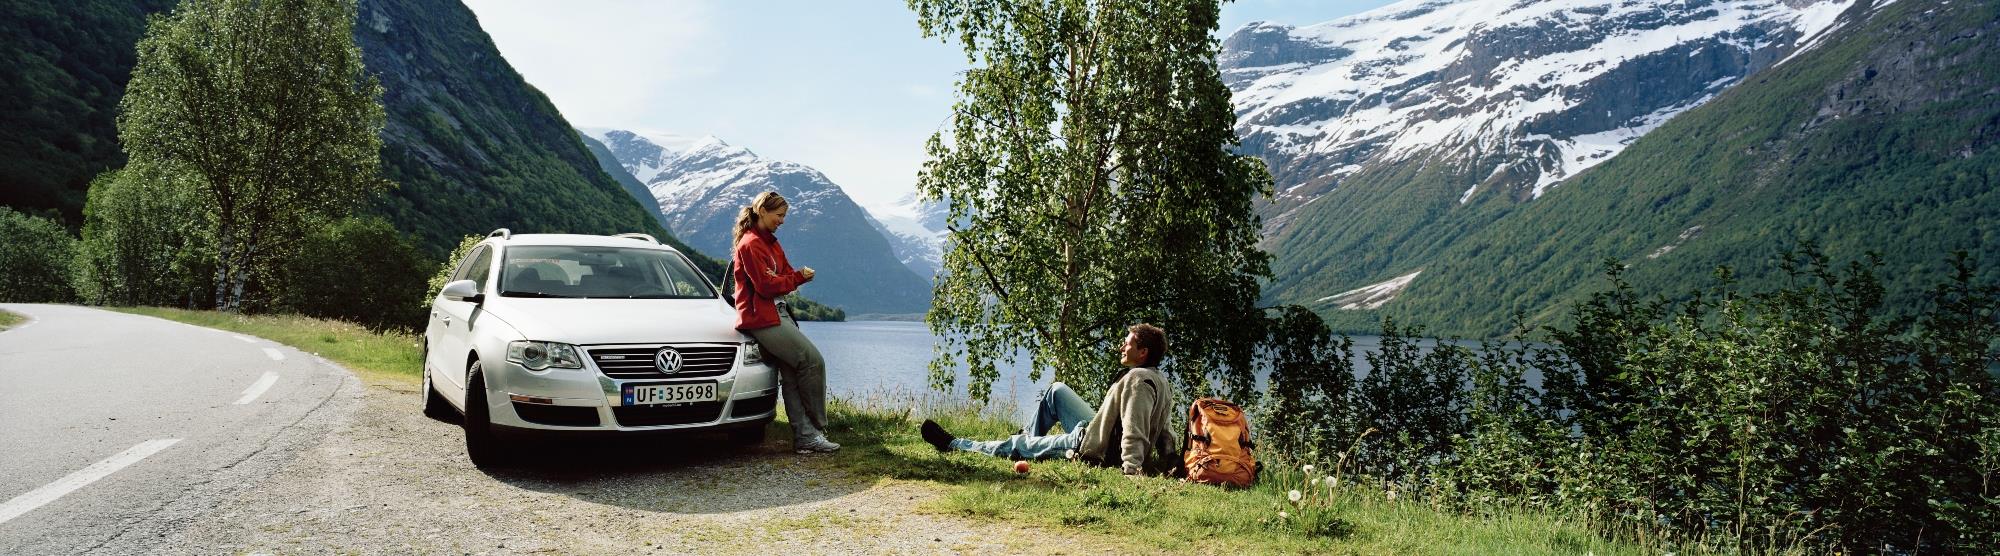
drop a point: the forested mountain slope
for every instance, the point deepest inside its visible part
(67, 64)
(1511, 96)
(1880, 138)
(471, 145)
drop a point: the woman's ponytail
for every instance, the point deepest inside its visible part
(744, 220)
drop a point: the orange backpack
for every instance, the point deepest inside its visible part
(1217, 448)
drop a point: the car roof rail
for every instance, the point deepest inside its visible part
(647, 237)
(502, 233)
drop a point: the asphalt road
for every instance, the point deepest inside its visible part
(118, 430)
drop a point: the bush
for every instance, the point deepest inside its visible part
(139, 246)
(443, 271)
(356, 269)
(36, 256)
(1796, 419)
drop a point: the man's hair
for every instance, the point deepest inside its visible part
(1153, 340)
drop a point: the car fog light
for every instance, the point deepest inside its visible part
(536, 356)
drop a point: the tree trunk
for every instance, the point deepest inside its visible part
(224, 262)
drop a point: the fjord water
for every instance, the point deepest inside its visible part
(889, 360)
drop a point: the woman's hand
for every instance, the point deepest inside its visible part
(807, 272)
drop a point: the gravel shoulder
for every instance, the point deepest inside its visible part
(392, 481)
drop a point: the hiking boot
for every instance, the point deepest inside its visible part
(814, 444)
(936, 435)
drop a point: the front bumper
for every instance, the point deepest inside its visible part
(585, 401)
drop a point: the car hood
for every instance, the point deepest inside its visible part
(619, 321)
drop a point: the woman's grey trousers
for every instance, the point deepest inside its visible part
(801, 374)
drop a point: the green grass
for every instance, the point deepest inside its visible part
(9, 319)
(1164, 515)
(395, 355)
(1152, 514)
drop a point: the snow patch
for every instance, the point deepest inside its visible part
(1686, 235)
(1387, 105)
(1818, 21)
(1372, 296)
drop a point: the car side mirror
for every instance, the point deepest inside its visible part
(462, 290)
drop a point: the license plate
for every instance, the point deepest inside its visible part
(669, 394)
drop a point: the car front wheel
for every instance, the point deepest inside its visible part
(480, 444)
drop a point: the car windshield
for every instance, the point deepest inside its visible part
(563, 271)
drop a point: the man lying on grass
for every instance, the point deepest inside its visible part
(1136, 416)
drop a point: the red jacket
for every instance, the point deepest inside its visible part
(761, 265)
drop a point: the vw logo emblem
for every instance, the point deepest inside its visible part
(668, 360)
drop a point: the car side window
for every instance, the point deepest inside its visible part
(475, 268)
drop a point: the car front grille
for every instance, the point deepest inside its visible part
(654, 416)
(697, 360)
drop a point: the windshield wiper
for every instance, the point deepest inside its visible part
(535, 294)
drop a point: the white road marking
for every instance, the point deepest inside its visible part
(274, 354)
(246, 339)
(69, 483)
(258, 388)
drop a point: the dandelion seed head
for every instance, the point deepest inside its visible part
(1295, 495)
(1308, 468)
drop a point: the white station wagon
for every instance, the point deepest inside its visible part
(580, 334)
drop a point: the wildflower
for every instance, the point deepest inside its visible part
(1296, 495)
(1309, 468)
(1283, 515)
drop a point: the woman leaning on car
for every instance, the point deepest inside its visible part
(763, 276)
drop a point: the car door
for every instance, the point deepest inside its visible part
(449, 330)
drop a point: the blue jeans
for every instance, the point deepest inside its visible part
(1055, 404)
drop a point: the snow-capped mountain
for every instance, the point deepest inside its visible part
(1861, 142)
(643, 155)
(1513, 96)
(916, 230)
(701, 187)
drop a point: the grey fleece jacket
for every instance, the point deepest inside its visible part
(1132, 421)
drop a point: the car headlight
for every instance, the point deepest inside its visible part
(752, 354)
(542, 355)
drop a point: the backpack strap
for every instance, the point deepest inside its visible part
(1189, 437)
(729, 277)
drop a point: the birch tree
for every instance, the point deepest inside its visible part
(265, 107)
(1091, 182)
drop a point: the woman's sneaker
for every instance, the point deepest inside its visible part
(814, 444)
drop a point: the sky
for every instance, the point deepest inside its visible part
(851, 88)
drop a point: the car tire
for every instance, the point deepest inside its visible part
(435, 406)
(481, 446)
(749, 436)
